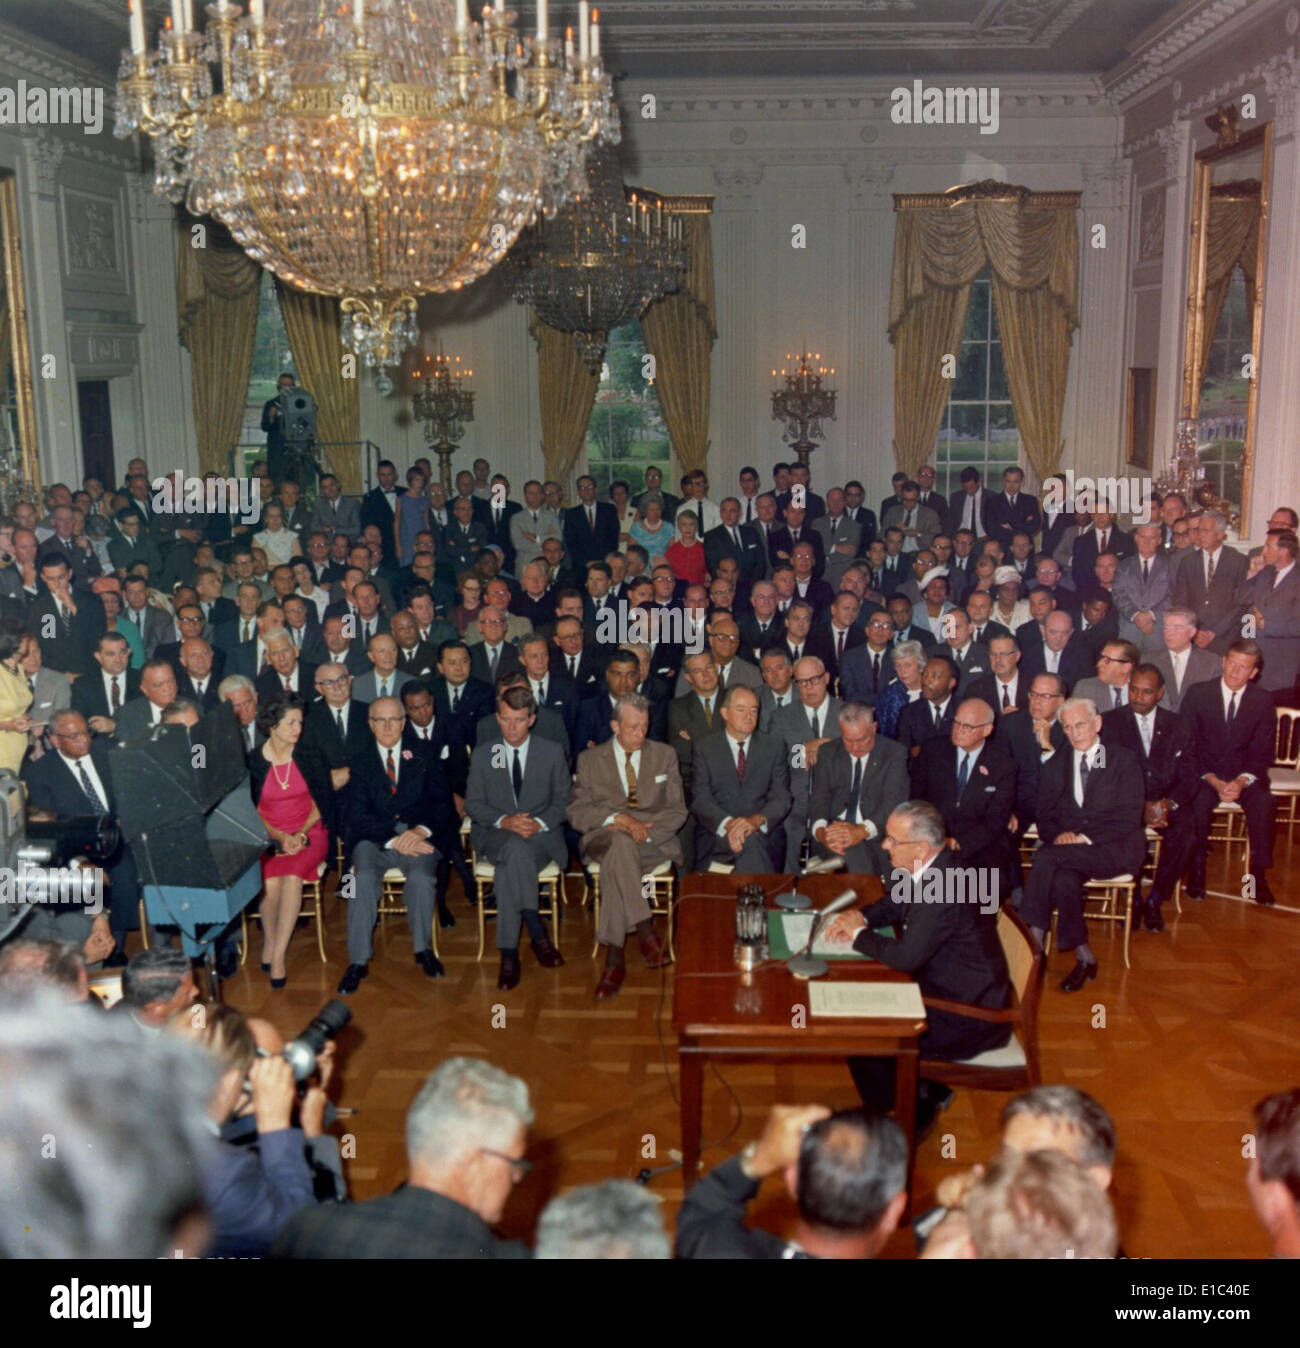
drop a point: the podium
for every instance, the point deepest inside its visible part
(187, 815)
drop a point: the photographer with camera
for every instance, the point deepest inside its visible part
(273, 424)
(250, 1193)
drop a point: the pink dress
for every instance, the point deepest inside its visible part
(287, 809)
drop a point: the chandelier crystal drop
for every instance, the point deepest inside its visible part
(373, 150)
(600, 260)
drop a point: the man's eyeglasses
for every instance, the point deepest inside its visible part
(387, 720)
(808, 682)
(340, 682)
(1114, 660)
(970, 725)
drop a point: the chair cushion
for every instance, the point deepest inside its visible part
(725, 867)
(395, 876)
(1011, 1054)
(465, 824)
(1282, 779)
(485, 870)
(663, 868)
(1125, 879)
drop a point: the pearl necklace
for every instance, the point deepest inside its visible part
(288, 773)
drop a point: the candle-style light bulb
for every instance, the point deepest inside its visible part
(543, 17)
(137, 27)
(584, 33)
(595, 35)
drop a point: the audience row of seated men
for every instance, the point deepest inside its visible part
(233, 1164)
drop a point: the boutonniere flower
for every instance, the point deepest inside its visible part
(406, 753)
(984, 772)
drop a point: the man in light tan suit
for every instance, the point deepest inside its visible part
(628, 804)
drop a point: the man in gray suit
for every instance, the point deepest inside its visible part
(695, 714)
(384, 679)
(1109, 688)
(51, 690)
(1273, 594)
(532, 526)
(778, 686)
(861, 779)
(841, 537)
(516, 799)
(1143, 590)
(919, 523)
(741, 795)
(724, 641)
(1209, 580)
(805, 726)
(628, 805)
(153, 623)
(335, 512)
(1180, 660)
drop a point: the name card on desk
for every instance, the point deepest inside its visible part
(880, 1001)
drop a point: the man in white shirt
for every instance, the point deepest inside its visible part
(697, 503)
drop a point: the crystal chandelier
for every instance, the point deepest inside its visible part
(599, 261)
(375, 150)
(804, 403)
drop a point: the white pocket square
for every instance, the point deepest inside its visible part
(987, 789)
(663, 777)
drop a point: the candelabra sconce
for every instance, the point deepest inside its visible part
(804, 402)
(1186, 474)
(443, 403)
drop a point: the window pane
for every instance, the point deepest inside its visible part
(977, 315)
(972, 373)
(626, 433)
(998, 391)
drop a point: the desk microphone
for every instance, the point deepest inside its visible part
(805, 964)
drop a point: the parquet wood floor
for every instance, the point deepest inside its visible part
(1178, 1048)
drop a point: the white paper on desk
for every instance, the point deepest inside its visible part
(796, 927)
(881, 1001)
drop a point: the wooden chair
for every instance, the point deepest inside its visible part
(549, 884)
(663, 899)
(1013, 1067)
(313, 905)
(1284, 775)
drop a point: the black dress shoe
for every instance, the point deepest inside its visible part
(278, 983)
(547, 955)
(430, 963)
(352, 977)
(1078, 976)
(228, 961)
(509, 974)
(1264, 896)
(266, 968)
(445, 919)
(1151, 918)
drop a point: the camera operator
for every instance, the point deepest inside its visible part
(323, 1154)
(272, 424)
(250, 1193)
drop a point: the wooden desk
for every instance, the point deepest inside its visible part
(721, 1012)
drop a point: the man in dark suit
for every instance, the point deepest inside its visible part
(736, 540)
(741, 791)
(399, 814)
(855, 508)
(379, 503)
(1058, 514)
(77, 552)
(573, 657)
(1104, 535)
(979, 608)
(69, 624)
(286, 671)
(695, 714)
(933, 712)
(73, 781)
(927, 496)
(534, 603)
(456, 694)
(1090, 810)
(550, 688)
(198, 677)
(1273, 596)
(467, 1133)
(1013, 510)
(972, 660)
(1059, 649)
(335, 730)
(781, 544)
(860, 779)
(592, 723)
(100, 696)
(832, 1155)
(968, 507)
(590, 527)
(494, 655)
(127, 548)
(500, 511)
(517, 798)
(833, 641)
(550, 724)
(972, 783)
(1159, 740)
(1231, 723)
(950, 948)
(464, 537)
(1004, 687)
(763, 627)
(1210, 580)
(417, 658)
(273, 427)
(869, 669)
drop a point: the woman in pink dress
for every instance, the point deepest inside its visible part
(290, 796)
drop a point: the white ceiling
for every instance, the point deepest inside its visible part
(649, 39)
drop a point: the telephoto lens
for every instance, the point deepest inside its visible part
(302, 1053)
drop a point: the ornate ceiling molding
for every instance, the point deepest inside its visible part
(1182, 31)
(30, 58)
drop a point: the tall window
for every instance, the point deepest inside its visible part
(626, 433)
(271, 359)
(1224, 393)
(979, 423)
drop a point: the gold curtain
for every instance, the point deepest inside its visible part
(312, 323)
(1033, 255)
(1232, 237)
(679, 332)
(6, 341)
(566, 391)
(217, 296)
